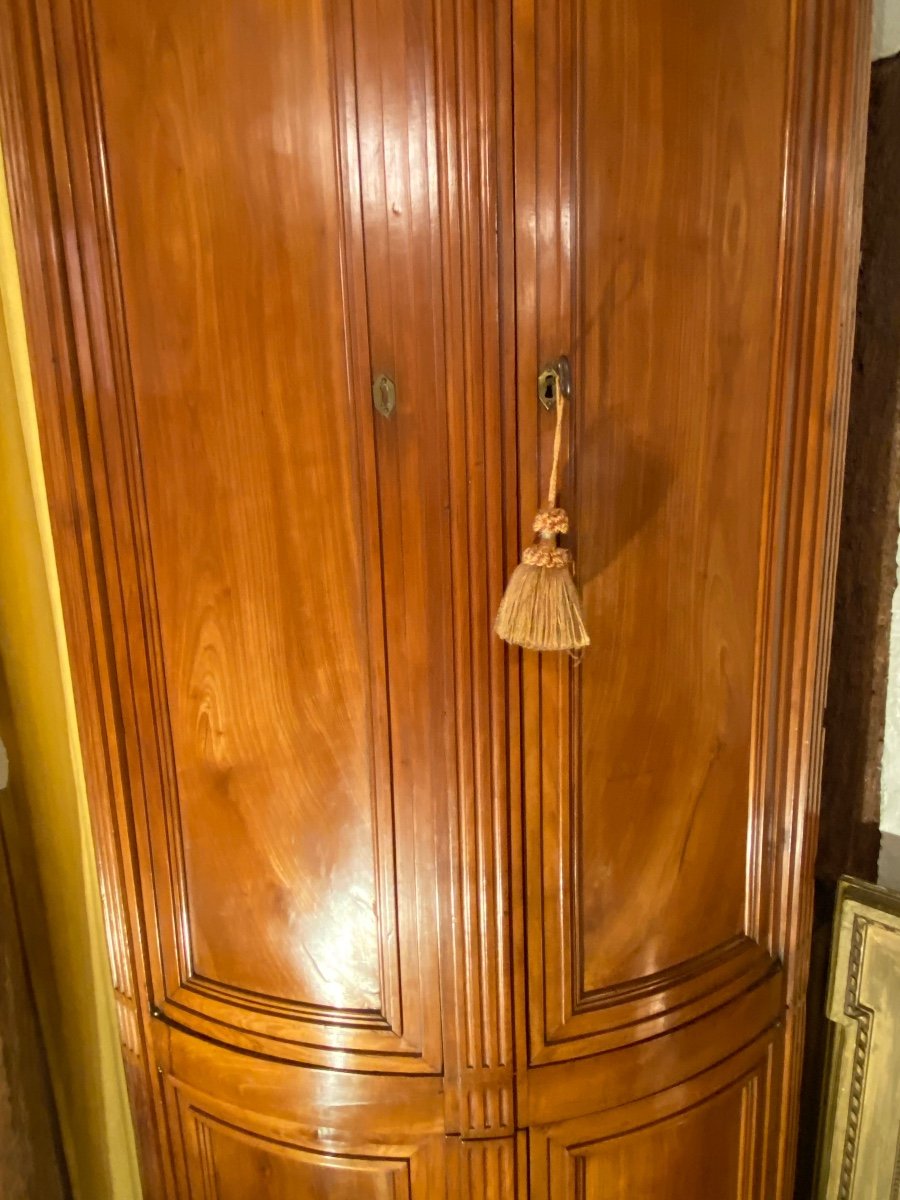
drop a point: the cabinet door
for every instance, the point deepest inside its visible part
(233, 221)
(686, 179)
(281, 848)
(705, 1137)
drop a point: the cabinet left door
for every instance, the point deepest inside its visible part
(229, 225)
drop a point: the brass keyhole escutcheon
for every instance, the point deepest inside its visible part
(555, 379)
(384, 394)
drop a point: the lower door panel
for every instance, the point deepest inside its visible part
(704, 1138)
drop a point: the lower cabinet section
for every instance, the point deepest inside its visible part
(231, 1164)
(350, 1138)
(226, 1155)
(703, 1138)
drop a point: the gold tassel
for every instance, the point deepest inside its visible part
(540, 609)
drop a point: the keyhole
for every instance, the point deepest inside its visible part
(384, 395)
(548, 384)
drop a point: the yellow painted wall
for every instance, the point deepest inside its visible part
(49, 818)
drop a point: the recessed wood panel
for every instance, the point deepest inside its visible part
(673, 1159)
(233, 1167)
(232, 1154)
(658, 259)
(250, 482)
(679, 219)
(703, 1138)
(237, 337)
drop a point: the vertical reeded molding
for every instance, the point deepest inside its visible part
(475, 170)
(484, 1169)
(43, 140)
(823, 200)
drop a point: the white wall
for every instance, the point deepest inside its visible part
(886, 28)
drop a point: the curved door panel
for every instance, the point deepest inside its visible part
(281, 845)
(642, 795)
(663, 258)
(228, 1155)
(230, 1165)
(274, 885)
(701, 1139)
(288, 687)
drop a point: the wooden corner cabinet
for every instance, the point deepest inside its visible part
(395, 912)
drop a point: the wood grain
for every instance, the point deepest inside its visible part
(262, 672)
(394, 911)
(667, 307)
(662, 1147)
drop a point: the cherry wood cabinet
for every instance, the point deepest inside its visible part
(395, 911)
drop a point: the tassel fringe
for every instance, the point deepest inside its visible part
(541, 610)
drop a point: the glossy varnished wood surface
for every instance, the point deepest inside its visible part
(238, 348)
(374, 797)
(394, 911)
(282, 832)
(663, 1146)
(640, 791)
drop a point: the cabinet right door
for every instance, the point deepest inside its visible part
(686, 188)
